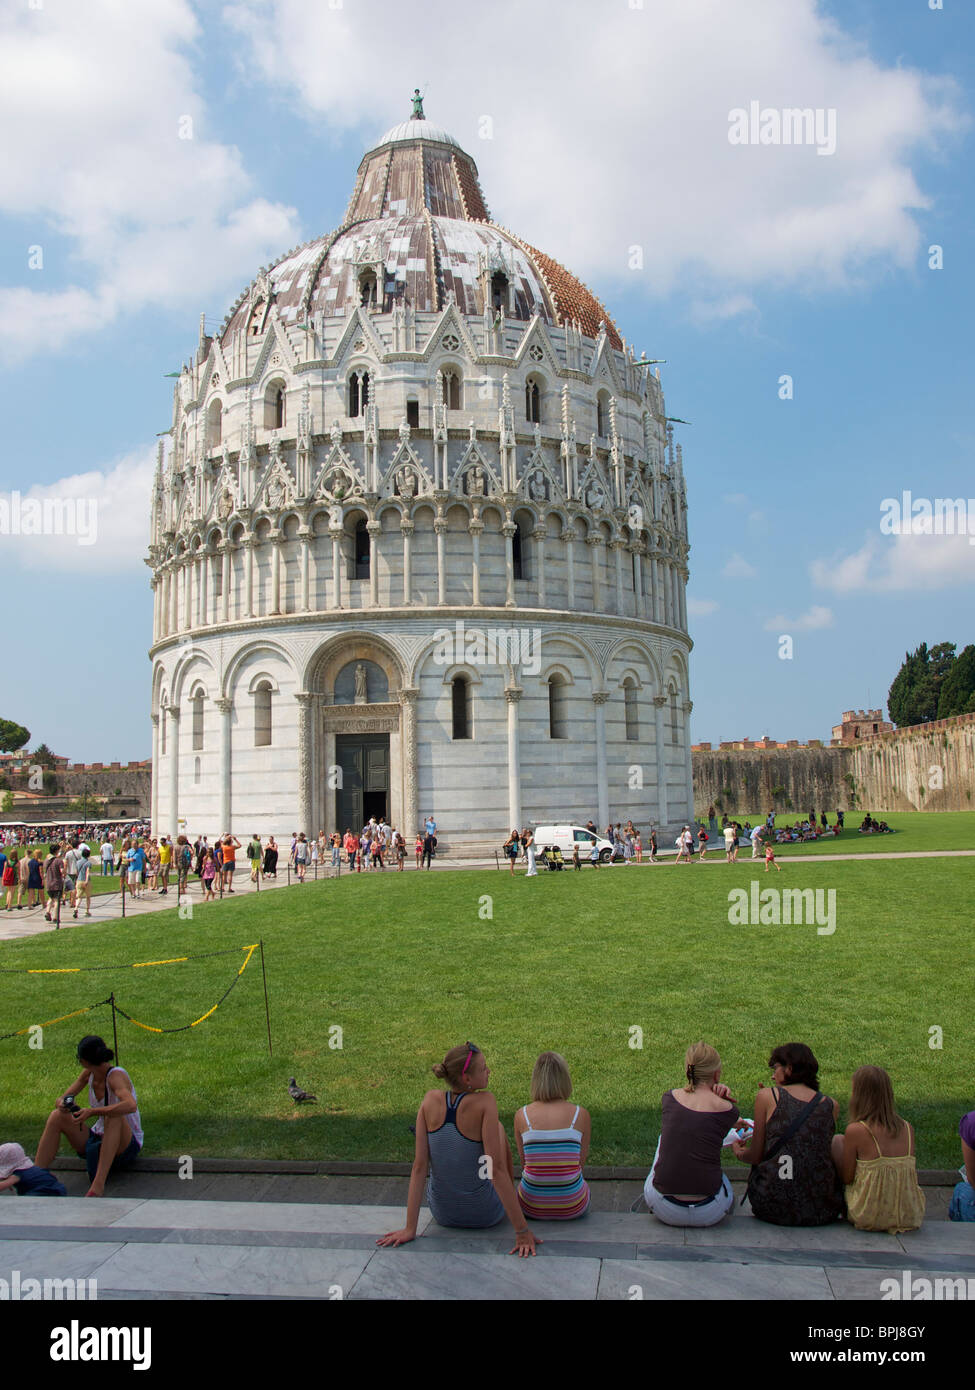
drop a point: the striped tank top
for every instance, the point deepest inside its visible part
(552, 1187)
(459, 1192)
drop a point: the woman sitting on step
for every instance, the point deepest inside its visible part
(553, 1144)
(461, 1144)
(793, 1181)
(686, 1186)
(876, 1159)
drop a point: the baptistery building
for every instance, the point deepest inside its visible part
(418, 539)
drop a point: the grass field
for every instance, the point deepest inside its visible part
(913, 830)
(409, 965)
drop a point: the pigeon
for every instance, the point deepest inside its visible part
(297, 1094)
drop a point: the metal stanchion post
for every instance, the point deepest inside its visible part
(122, 878)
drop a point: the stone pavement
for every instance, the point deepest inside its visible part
(320, 1243)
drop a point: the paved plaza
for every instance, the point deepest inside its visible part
(263, 1235)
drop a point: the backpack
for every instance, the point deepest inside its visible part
(250, 849)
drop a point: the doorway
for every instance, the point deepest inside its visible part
(364, 790)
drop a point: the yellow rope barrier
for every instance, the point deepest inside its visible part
(149, 1028)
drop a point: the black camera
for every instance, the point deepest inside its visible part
(70, 1104)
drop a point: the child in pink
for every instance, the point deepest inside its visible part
(770, 858)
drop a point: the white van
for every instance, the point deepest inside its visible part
(568, 836)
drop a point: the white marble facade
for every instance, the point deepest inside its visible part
(355, 479)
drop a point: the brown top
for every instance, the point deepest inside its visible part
(690, 1147)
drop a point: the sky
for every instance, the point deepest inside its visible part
(811, 298)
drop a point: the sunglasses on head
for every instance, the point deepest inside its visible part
(471, 1049)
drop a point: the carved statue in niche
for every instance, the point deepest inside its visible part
(360, 685)
(226, 504)
(536, 486)
(406, 482)
(595, 498)
(476, 481)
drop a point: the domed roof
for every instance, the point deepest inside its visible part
(417, 222)
(418, 130)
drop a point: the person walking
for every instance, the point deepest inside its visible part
(256, 855)
(653, 846)
(756, 839)
(301, 857)
(271, 858)
(511, 847)
(107, 857)
(53, 883)
(429, 847)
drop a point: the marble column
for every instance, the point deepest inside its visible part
(513, 694)
(154, 586)
(336, 534)
(658, 719)
(674, 601)
(173, 577)
(187, 593)
(276, 539)
(306, 707)
(540, 537)
(410, 757)
(508, 531)
(618, 547)
(654, 589)
(226, 549)
(374, 530)
(173, 752)
(440, 527)
(304, 536)
(682, 597)
(688, 769)
(595, 545)
(638, 604)
(406, 529)
(250, 543)
(569, 541)
(599, 698)
(154, 790)
(475, 526)
(225, 707)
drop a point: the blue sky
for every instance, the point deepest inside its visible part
(607, 130)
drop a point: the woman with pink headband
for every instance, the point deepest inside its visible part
(466, 1154)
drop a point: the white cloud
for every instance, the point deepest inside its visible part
(739, 568)
(102, 517)
(898, 564)
(134, 215)
(817, 617)
(566, 168)
(701, 607)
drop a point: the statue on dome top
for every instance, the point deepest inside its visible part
(417, 106)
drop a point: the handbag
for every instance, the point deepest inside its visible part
(783, 1139)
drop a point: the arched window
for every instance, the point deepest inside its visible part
(499, 290)
(451, 389)
(673, 718)
(602, 414)
(558, 722)
(460, 698)
(214, 424)
(361, 551)
(413, 413)
(631, 711)
(358, 393)
(262, 715)
(518, 553)
(197, 770)
(197, 702)
(533, 401)
(368, 289)
(274, 407)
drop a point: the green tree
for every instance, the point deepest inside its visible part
(8, 803)
(902, 697)
(958, 687)
(92, 807)
(12, 736)
(43, 755)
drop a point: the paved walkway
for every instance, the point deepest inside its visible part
(189, 1246)
(106, 907)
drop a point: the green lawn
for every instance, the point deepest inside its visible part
(407, 967)
(913, 830)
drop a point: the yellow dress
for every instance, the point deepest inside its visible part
(884, 1194)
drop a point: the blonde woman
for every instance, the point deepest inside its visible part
(875, 1158)
(686, 1186)
(553, 1144)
